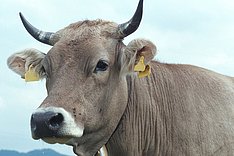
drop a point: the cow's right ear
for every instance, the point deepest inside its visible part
(21, 62)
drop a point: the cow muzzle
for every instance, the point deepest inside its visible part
(54, 125)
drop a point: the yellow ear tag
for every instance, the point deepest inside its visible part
(31, 75)
(145, 73)
(140, 66)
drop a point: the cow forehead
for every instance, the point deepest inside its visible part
(79, 48)
(79, 53)
(86, 37)
(87, 28)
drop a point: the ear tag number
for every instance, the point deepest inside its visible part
(31, 75)
(140, 66)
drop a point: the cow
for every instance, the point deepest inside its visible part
(97, 97)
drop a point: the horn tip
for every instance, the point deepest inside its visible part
(20, 14)
(22, 17)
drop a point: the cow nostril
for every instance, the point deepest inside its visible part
(56, 121)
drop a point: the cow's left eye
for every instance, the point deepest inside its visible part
(101, 66)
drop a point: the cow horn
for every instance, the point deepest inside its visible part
(44, 37)
(131, 26)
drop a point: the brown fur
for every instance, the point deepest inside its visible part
(86, 28)
(179, 110)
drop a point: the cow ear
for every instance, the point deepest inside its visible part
(137, 55)
(27, 64)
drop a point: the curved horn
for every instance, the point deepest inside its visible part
(131, 26)
(44, 37)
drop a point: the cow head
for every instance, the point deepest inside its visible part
(85, 74)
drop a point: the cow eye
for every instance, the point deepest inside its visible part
(101, 66)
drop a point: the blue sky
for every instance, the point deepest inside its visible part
(185, 31)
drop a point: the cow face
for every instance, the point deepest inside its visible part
(86, 95)
(85, 74)
(79, 78)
